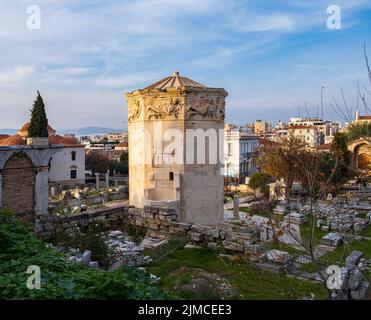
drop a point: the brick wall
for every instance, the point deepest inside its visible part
(18, 184)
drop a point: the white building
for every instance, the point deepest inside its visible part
(117, 137)
(67, 165)
(239, 147)
(325, 130)
(307, 134)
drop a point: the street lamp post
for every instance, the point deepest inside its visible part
(322, 89)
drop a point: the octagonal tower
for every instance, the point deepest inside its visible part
(176, 148)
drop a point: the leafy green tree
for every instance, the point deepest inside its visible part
(121, 166)
(320, 173)
(335, 166)
(96, 161)
(39, 122)
(260, 181)
(359, 130)
(283, 160)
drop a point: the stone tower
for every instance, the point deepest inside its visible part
(176, 148)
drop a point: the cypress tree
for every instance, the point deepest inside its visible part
(39, 122)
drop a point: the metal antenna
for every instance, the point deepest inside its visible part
(322, 89)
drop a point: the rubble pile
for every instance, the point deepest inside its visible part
(350, 282)
(126, 252)
(85, 258)
(335, 215)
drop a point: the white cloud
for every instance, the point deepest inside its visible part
(128, 80)
(269, 22)
(15, 75)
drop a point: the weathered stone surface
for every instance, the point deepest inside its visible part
(233, 246)
(353, 259)
(343, 278)
(277, 256)
(355, 279)
(332, 239)
(362, 293)
(296, 218)
(196, 237)
(176, 106)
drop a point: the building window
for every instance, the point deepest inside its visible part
(229, 149)
(171, 176)
(73, 174)
(73, 156)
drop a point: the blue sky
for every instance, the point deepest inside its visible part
(271, 56)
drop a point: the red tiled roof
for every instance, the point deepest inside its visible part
(66, 141)
(3, 137)
(15, 140)
(364, 117)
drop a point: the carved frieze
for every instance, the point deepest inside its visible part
(170, 109)
(206, 109)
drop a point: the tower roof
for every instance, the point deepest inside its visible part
(174, 81)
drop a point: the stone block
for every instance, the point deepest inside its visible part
(353, 259)
(212, 246)
(332, 239)
(296, 218)
(196, 237)
(362, 293)
(277, 256)
(183, 225)
(233, 246)
(355, 279)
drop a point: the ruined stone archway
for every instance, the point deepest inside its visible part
(364, 161)
(18, 179)
(361, 155)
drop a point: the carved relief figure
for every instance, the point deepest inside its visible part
(134, 111)
(163, 111)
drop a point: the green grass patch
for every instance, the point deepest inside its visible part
(305, 230)
(180, 267)
(366, 232)
(292, 250)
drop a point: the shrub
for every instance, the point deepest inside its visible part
(93, 239)
(260, 181)
(136, 233)
(60, 279)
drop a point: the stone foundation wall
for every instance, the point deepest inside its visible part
(160, 223)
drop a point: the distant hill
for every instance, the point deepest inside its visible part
(87, 131)
(8, 131)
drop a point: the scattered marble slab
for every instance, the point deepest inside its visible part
(333, 239)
